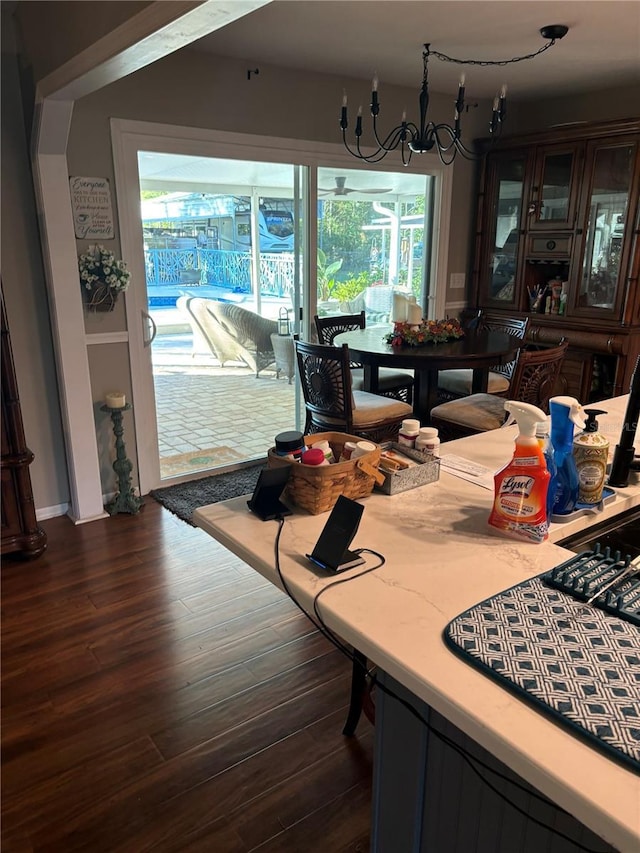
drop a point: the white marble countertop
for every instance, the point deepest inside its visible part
(441, 558)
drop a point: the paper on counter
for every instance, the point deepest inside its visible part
(465, 469)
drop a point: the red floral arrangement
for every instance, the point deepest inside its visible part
(428, 332)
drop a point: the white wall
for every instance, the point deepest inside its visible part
(26, 296)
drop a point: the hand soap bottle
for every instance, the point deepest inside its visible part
(566, 412)
(520, 496)
(591, 452)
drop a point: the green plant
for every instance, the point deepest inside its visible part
(326, 276)
(348, 289)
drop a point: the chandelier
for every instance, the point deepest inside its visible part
(426, 135)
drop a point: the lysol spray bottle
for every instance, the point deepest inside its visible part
(566, 413)
(520, 495)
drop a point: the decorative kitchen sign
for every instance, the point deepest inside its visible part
(92, 211)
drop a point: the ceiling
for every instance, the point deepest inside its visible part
(188, 173)
(355, 38)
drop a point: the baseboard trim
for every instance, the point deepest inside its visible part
(46, 512)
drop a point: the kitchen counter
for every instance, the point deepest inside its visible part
(441, 558)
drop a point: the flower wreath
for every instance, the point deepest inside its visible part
(98, 266)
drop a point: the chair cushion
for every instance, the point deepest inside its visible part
(372, 409)
(459, 382)
(388, 379)
(481, 412)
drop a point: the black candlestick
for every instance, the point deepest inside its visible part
(125, 500)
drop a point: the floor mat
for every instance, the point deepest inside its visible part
(183, 498)
(198, 460)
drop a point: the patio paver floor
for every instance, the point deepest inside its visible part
(202, 406)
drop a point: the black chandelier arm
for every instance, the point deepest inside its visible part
(375, 157)
(455, 142)
(407, 128)
(443, 160)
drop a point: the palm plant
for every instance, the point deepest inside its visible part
(326, 273)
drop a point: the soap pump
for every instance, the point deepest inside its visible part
(566, 413)
(590, 453)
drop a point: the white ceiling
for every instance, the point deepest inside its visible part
(355, 38)
(187, 173)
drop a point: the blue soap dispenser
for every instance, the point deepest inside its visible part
(566, 413)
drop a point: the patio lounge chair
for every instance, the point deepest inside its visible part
(232, 333)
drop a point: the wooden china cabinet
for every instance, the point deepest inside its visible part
(20, 531)
(558, 240)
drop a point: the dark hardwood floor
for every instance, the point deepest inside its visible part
(157, 694)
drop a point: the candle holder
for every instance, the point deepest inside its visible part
(125, 500)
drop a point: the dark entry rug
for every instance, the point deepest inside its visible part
(183, 498)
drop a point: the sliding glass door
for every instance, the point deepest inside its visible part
(221, 243)
(234, 248)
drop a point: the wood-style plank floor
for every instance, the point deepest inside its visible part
(158, 694)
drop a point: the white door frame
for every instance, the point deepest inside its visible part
(128, 137)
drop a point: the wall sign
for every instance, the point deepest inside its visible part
(91, 205)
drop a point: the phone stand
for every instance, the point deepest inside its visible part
(265, 501)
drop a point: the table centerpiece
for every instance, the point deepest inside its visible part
(426, 332)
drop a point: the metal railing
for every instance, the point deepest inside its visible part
(219, 268)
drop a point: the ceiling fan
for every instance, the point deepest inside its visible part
(341, 188)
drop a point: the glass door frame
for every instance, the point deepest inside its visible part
(129, 137)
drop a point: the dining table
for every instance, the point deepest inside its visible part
(479, 350)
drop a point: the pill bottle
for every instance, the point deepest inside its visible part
(314, 456)
(428, 441)
(290, 444)
(347, 450)
(363, 447)
(409, 431)
(325, 447)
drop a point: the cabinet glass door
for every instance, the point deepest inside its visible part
(552, 204)
(610, 170)
(504, 227)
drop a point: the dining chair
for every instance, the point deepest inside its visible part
(391, 382)
(453, 384)
(534, 377)
(332, 404)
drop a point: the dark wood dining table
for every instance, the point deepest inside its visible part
(478, 350)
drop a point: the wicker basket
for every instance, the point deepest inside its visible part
(317, 488)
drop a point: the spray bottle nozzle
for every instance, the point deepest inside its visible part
(526, 415)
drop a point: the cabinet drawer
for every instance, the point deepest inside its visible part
(548, 246)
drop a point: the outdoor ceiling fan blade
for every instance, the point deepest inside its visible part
(343, 190)
(373, 190)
